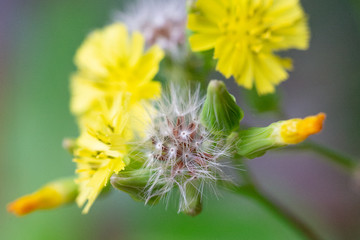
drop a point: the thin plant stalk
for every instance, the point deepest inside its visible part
(335, 156)
(251, 190)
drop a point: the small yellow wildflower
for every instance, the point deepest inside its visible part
(51, 195)
(101, 149)
(245, 34)
(110, 61)
(114, 75)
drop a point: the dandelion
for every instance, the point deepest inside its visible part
(109, 61)
(162, 22)
(181, 152)
(246, 35)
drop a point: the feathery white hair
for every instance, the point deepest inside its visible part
(183, 153)
(161, 22)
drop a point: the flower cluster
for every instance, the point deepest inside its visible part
(150, 140)
(114, 75)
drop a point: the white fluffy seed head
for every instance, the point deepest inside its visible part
(161, 22)
(182, 151)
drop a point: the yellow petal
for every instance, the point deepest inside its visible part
(148, 65)
(211, 8)
(200, 23)
(137, 48)
(84, 94)
(201, 42)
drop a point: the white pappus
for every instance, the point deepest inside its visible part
(161, 22)
(181, 152)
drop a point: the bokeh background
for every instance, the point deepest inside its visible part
(38, 39)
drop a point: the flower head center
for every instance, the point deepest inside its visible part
(247, 26)
(181, 149)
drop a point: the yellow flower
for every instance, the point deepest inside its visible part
(110, 61)
(101, 149)
(114, 76)
(245, 34)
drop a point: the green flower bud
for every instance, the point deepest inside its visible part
(135, 182)
(220, 111)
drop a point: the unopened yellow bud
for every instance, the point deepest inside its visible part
(49, 196)
(254, 142)
(294, 131)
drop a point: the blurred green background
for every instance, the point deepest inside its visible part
(38, 39)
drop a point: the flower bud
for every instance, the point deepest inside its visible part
(52, 195)
(254, 142)
(220, 111)
(296, 130)
(135, 183)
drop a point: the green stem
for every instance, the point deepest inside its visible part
(281, 212)
(334, 155)
(251, 190)
(277, 209)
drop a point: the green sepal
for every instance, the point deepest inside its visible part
(68, 186)
(192, 204)
(220, 112)
(134, 182)
(255, 142)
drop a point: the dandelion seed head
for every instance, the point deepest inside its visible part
(182, 151)
(162, 22)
